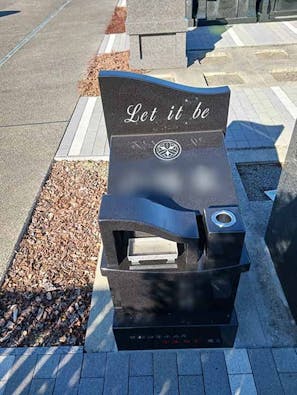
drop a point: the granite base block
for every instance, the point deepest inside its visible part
(156, 16)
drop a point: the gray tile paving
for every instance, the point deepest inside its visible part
(117, 374)
(59, 350)
(157, 372)
(242, 384)
(237, 361)
(285, 359)
(289, 383)
(191, 385)
(41, 350)
(94, 365)
(21, 375)
(114, 43)
(206, 37)
(72, 127)
(69, 370)
(42, 386)
(100, 317)
(6, 362)
(215, 372)
(7, 351)
(141, 385)
(165, 373)
(265, 374)
(46, 366)
(91, 386)
(141, 364)
(189, 363)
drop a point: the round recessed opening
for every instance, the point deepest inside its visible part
(223, 218)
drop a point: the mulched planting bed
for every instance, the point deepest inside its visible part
(117, 23)
(89, 86)
(46, 294)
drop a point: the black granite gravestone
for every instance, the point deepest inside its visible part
(134, 102)
(172, 233)
(281, 234)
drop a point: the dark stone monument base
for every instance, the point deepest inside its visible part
(165, 333)
(281, 234)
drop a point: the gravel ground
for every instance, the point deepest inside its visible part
(258, 178)
(117, 23)
(46, 294)
(89, 86)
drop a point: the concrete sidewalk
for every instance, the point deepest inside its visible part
(38, 94)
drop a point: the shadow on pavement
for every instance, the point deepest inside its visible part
(7, 13)
(246, 134)
(202, 40)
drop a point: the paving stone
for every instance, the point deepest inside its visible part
(42, 387)
(165, 373)
(141, 364)
(289, 383)
(68, 374)
(141, 385)
(215, 373)
(99, 335)
(191, 385)
(72, 128)
(94, 365)
(21, 375)
(2, 386)
(265, 374)
(285, 359)
(91, 386)
(189, 363)
(7, 351)
(60, 350)
(237, 361)
(242, 384)
(46, 366)
(25, 351)
(116, 376)
(48, 350)
(6, 362)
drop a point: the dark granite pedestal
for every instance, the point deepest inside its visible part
(281, 234)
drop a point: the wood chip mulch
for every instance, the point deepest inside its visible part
(89, 86)
(117, 23)
(45, 297)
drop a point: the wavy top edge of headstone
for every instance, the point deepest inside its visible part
(161, 82)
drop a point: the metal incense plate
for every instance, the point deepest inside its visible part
(151, 249)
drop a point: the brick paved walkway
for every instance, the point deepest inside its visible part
(68, 370)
